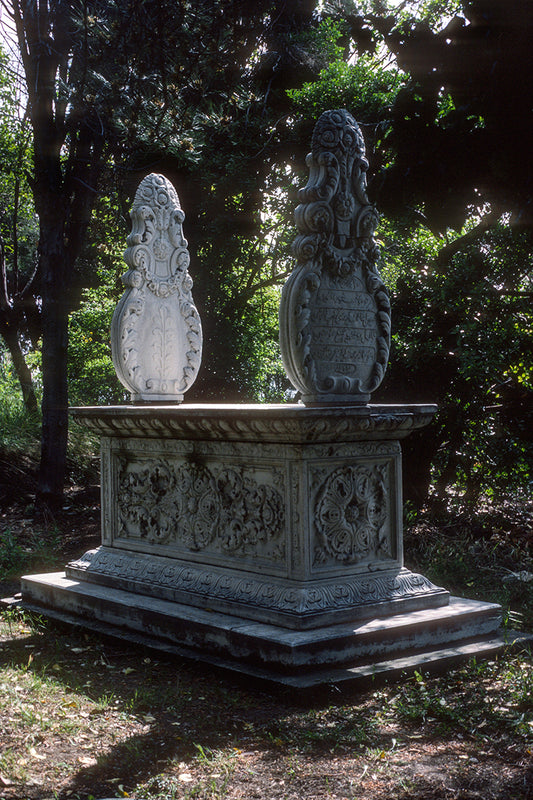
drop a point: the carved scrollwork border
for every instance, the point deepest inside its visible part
(166, 577)
(158, 261)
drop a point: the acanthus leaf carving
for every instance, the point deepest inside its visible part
(197, 507)
(159, 575)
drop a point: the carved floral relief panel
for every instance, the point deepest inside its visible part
(179, 507)
(354, 515)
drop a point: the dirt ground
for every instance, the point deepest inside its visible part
(63, 535)
(83, 716)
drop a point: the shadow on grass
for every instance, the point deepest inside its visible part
(172, 714)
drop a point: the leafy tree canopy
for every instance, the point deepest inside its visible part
(461, 125)
(221, 96)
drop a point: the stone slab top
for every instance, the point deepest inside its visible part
(291, 423)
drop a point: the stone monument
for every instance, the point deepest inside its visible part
(264, 538)
(156, 336)
(335, 310)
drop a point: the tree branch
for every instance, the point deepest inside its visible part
(5, 304)
(453, 247)
(249, 292)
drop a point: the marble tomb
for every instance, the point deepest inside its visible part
(263, 538)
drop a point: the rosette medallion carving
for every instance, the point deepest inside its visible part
(335, 309)
(156, 335)
(352, 516)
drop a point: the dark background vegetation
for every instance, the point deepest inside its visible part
(221, 97)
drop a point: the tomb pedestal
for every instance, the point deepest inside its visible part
(265, 538)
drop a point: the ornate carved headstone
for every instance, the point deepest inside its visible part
(335, 310)
(156, 336)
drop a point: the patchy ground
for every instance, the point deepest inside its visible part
(33, 539)
(85, 717)
(82, 716)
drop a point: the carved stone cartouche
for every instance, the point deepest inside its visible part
(335, 310)
(156, 335)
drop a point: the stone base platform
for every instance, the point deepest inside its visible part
(264, 539)
(428, 639)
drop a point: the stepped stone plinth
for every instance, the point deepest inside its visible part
(263, 538)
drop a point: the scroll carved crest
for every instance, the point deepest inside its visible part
(335, 309)
(156, 335)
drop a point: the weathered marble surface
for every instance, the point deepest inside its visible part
(263, 538)
(335, 653)
(335, 310)
(267, 539)
(286, 514)
(156, 335)
(271, 423)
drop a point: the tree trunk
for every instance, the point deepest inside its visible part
(54, 315)
(10, 328)
(22, 371)
(54, 407)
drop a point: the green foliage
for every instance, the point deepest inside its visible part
(19, 312)
(463, 338)
(457, 266)
(19, 430)
(18, 223)
(365, 88)
(239, 305)
(92, 377)
(483, 555)
(325, 41)
(40, 551)
(223, 103)
(434, 13)
(457, 130)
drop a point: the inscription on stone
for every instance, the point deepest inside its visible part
(359, 337)
(339, 348)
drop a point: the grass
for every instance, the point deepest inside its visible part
(19, 430)
(40, 547)
(501, 700)
(84, 716)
